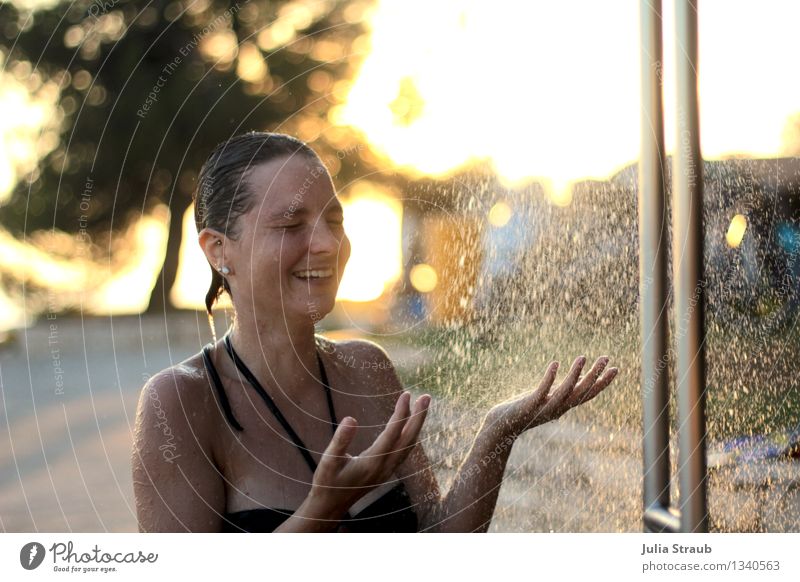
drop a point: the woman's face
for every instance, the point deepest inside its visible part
(291, 251)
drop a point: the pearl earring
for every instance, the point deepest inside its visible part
(224, 270)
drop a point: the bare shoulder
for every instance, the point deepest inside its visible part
(180, 393)
(181, 375)
(366, 363)
(176, 483)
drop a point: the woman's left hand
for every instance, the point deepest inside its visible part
(514, 417)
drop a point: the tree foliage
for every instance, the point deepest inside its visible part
(148, 88)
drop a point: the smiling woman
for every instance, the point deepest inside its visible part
(272, 229)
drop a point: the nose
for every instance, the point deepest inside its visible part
(324, 241)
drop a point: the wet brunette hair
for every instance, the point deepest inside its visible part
(223, 193)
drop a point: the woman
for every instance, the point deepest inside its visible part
(246, 436)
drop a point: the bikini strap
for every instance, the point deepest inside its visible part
(328, 395)
(220, 389)
(250, 377)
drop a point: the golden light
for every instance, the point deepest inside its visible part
(221, 47)
(543, 91)
(73, 36)
(29, 128)
(736, 231)
(36, 266)
(292, 17)
(194, 274)
(319, 81)
(500, 214)
(559, 192)
(129, 291)
(326, 51)
(11, 314)
(550, 91)
(423, 278)
(33, 5)
(373, 222)
(276, 35)
(431, 109)
(252, 67)
(61, 263)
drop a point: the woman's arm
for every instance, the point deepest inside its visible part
(470, 503)
(471, 500)
(175, 481)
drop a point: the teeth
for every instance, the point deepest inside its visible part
(315, 274)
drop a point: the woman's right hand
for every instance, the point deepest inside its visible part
(341, 479)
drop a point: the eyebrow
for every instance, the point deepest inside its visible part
(302, 211)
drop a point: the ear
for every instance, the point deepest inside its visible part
(213, 244)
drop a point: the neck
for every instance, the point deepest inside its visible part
(276, 350)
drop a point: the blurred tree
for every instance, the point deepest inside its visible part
(149, 87)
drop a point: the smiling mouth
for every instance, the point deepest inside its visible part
(312, 274)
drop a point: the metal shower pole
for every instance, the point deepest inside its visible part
(687, 223)
(653, 276)
(688, 277)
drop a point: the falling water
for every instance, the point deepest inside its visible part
(522, 282)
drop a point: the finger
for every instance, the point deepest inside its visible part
(593, 374)
(600, 385)
(335, 455)
(411, 431)
(587, 382)
(540, 394)
(556, 401)
(574, 373)
(394, 428)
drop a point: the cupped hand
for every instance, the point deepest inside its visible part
(516, 416)
(341, 479)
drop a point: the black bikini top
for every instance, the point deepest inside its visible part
(385, 509)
